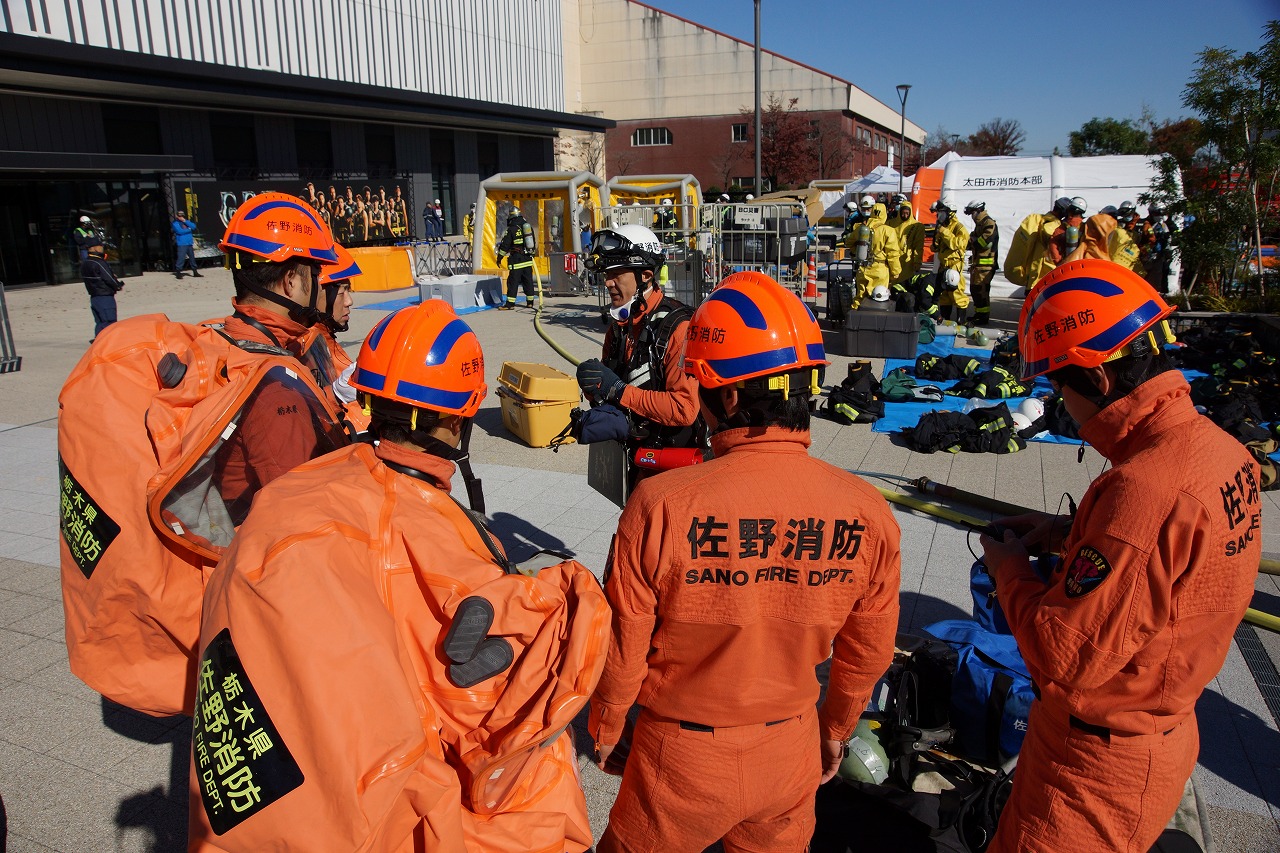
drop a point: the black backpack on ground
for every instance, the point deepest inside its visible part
(856, 400)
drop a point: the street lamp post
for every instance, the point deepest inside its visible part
(904, 89)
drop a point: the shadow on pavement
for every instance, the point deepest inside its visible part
(159, 812)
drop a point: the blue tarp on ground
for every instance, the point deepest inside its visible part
(413, 299)
(898, 416)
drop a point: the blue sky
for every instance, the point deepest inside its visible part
(1051, 66)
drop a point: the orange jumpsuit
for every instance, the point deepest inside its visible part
(676, 404)
(1158, 569)
(729, 583)
(325, 717)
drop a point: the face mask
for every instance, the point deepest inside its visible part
(944, 216)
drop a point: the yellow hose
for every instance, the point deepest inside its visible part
(542, 333)
(1262, 620)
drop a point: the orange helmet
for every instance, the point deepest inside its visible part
(751, 326)
(1089, 312)
(279, 227)
(345, 268)
(423, 356)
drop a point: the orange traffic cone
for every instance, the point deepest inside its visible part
(811, 283)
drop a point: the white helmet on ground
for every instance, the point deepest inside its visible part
(880, 293)
(1020, 422)
(1032, 408)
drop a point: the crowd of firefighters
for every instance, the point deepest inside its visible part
(368, 670)
(888, 243)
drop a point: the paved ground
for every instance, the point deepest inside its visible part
(78, 775)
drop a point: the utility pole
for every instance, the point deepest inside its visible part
(758, 192)
(904, 89)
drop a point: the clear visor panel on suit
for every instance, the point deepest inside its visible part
(212, 498)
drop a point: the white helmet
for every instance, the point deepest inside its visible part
(437, 201)
(84, 220)
(724, 197)
(880, 293)
(975, 206)
(624, 247)
(1020, 422)
(868, 202)
(952, 278)
(1032, 408)
(850, 206)
(666, 202)
(750, 197)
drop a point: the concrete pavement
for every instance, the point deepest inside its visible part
(77, 774)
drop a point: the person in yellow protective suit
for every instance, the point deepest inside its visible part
(883, 264)
(730, 581)
(950, 242)
(374, 673)
(1105, 239)
(1158, 567)
(910, 240)
(1028, 258)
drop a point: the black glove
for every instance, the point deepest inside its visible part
(598, 382)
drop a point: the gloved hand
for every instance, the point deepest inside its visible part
(598, 382)
(342, 385)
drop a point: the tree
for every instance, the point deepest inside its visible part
(580, 152)
(1238, 101)
(1108, 136)
(1179, 139)
(831, 148)
(937, 143)
(1000, 137)
(786, 156)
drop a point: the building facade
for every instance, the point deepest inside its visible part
(683, 98)
(127, 111)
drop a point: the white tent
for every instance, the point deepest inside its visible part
(941, 162)
(881, 179)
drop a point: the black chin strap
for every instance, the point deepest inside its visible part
(245, 318)
(460, 455)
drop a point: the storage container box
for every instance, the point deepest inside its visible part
(881, 334)
(534, 422)
(538, 383)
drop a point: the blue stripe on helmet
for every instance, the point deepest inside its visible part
(369, 379)
(747, 365)
(1113, 338)
(343, 274)
(1099, 286)
(433, 398)
(253, 244)
(809, 311)
(741, 303)
(375, 337)
(443, 344)
(324, 254)
(817, 352)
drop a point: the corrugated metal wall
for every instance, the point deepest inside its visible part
(502, 51)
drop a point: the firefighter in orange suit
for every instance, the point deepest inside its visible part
(374, 674)
(1158, 567)
(729, 583)
(335, 314)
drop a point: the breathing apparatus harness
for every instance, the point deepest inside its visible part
(406, 417)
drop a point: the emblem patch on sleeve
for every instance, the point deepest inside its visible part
(1087, 571)
(241, 760)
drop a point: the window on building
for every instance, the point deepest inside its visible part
(131, 129)
(740, 133)
(651, 136)
(235, 145)
(380, 150)
(313, 140)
